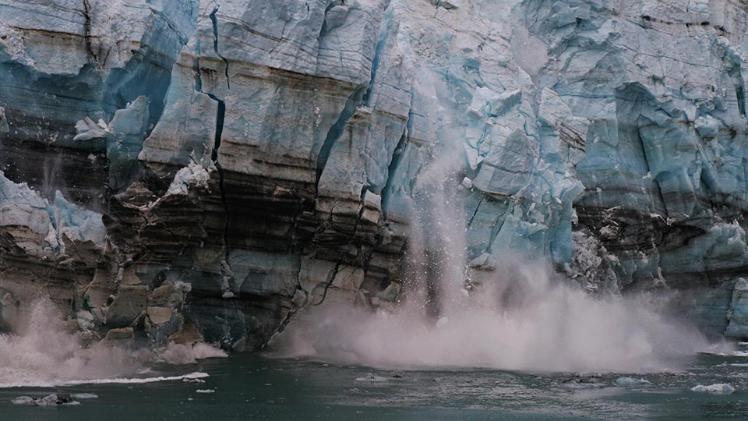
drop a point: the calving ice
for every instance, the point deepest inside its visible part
(534, 185)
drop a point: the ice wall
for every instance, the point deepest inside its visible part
(278, 154)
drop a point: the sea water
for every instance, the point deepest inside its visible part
(256, 387)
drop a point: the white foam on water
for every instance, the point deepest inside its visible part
(555, 328)
(727, 353)
(137, 380)
(114, 380)
(715, 389)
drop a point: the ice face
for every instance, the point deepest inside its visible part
(606, 138)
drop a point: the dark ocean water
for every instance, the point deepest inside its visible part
(251, 387)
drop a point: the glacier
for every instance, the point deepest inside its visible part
(207, 168)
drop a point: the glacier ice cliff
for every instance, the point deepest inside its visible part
(208, 167)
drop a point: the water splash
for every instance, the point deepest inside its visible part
(520, 317)
(45, 352)
(526, 322)
(189, 354)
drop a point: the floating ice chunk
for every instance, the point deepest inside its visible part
(715, 389)
(631, 381)
(23, 400)
(205, 391)
(371, 378)
(57, 399)
(49, 400)
(84, 396)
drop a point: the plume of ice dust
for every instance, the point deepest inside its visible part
(520, 321)
(43, 351)
(438, 231)
(175, 353)
(519, 318)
